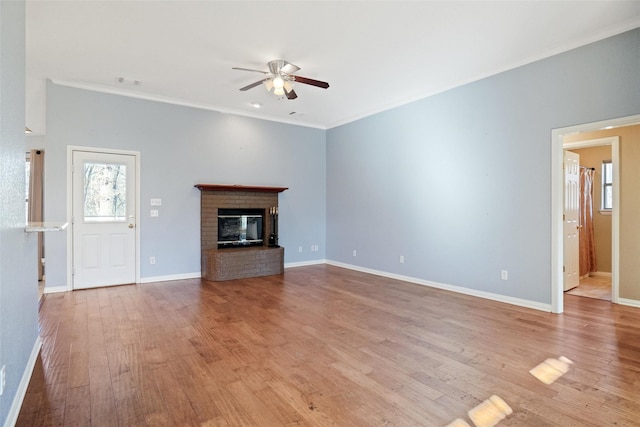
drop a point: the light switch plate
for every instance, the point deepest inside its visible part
(156, 202)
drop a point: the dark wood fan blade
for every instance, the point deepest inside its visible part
(249, 69)
(252, 85)
(291, 94)
(309, 81)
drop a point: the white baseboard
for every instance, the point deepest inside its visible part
(167, 278)
(14, 411)
(629, 302)
(55, 289)
(170, 277)
(459, 289)
(305, 263)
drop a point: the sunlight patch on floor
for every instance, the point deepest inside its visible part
(551, 369)
(486, 414)
(493, 410)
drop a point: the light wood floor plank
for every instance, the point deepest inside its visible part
(324, 346)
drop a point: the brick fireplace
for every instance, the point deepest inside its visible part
(219, 264)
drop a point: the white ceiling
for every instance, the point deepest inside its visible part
(375, 54)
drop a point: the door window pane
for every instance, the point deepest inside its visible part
(105, 192)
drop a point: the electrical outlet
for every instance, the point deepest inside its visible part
(504, 275)
(300, 249)
(3, 379)
(354, 252)
(152, 260)
(315, 248)
(401, 259)
(154, 213)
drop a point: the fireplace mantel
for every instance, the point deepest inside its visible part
(227, 187)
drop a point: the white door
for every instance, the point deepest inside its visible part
(104, 206)
(571, 220)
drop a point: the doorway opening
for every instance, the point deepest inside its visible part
(34, 206)
(599, 218)
(557, 204)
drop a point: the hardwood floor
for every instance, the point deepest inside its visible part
(324, 346)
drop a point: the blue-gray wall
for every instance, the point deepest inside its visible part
(180, 147)
(18, 274)
(460, 183)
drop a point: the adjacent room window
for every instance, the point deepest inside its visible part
(607, 186)
(105, 188)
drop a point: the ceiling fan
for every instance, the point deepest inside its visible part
(280, 78)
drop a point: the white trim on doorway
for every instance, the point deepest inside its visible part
(557, 149)
(69, 237)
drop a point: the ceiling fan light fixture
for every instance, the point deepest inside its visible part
(281, 79)
(278, 82)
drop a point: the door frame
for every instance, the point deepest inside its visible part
(557, 200)
(136, 155)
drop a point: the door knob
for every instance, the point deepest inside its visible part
(130, 225)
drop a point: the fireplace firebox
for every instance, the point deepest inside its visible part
(240, 227)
